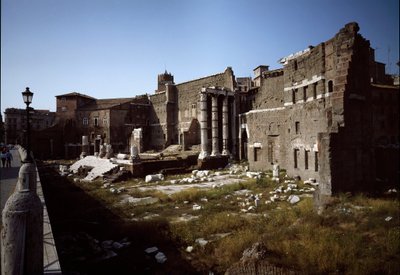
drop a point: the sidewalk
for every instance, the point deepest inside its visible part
(9, 177)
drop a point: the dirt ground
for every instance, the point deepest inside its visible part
(79, 222)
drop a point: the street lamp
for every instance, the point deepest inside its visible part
(27, 96)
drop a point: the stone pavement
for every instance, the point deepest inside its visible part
(9, 177)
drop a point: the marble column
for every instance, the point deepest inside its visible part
(85, 146)
(214, 126)
(234, 132)
(203, 126)
(225, 127)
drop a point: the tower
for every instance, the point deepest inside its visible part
(164, 79)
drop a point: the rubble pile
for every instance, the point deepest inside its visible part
(99, 166)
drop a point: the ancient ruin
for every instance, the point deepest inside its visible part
(330, 114)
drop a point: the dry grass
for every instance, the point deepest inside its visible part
(351, 237)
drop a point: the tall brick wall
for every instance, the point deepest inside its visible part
(323, 94)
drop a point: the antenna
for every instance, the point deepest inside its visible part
(388, 61)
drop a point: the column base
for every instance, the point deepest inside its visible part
(215, 154)
(212, 162)
(203, 155)
(225, 153)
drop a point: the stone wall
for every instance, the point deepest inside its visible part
(158, 120)
(187, 94)
(324, 89)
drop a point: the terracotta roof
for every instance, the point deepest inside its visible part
(101, 104)
(75, 94)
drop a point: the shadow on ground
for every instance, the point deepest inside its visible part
(77, 219)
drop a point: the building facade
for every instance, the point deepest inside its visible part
(15, 123)
(319, 116)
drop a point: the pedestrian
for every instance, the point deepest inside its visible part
(9, 158)
(3, 157)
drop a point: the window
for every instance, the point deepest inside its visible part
(105, 120)
(330, 86)
(96, 121)
(85, 121)
(315, 90)
(295, 65)
(297, 127)
(295, 153)
(305, 93)
(257, 154)
(305, 159)
(293, 96)
(316, 161)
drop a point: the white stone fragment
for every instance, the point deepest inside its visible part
(189, 249)
(153, 178)
(196, 207)
(160, 257)
(388, 219)
(201, 241)
(122, 156)
(151, 249)
(293, 199)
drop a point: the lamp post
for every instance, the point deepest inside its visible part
(27, 96)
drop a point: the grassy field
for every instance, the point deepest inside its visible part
(356, 234)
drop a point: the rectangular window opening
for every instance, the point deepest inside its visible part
(256, 154)
(306, 160)
(295, 152)
(305, 93)
(316, 161)
(297, 127)
(315, 90)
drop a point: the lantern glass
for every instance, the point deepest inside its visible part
(27, 96)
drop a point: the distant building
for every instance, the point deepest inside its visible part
(15, 123)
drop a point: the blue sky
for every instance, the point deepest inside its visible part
(116, 48)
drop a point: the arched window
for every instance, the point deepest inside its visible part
(330, 86)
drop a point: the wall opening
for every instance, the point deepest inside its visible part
(316, 161)
(297, 127)
(305, 159)
(305, 93)
(295, 153)
(293, 96)
(257, 156)
(330, 86)
(315, 90)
